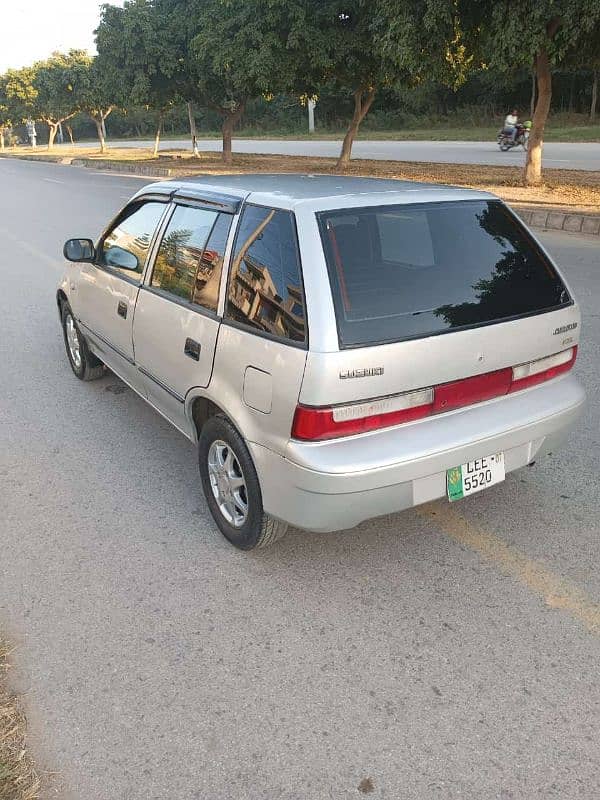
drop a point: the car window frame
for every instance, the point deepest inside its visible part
(146, 284)
(299, 345)
(136, 278)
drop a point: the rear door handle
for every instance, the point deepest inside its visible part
(192, 349)
(122, 309)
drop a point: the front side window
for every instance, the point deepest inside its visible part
(265, 287)
(126, 246)
(181, 251)
(405, 271)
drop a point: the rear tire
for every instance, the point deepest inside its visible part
(504, 147)
(83, 362)
(232, 488)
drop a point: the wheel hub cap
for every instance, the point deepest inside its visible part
(73, 341)
(228, 483)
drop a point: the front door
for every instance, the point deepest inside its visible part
(107, 290)
(176, 324)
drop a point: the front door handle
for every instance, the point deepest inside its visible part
(192, 349)
(122, 309)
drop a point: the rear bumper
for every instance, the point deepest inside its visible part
(333, 485)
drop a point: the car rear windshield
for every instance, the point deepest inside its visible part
(407, 271)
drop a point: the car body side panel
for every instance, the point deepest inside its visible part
(281, 367)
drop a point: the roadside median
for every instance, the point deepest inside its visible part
(568, 201)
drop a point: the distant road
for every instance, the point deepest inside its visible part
(556, 154)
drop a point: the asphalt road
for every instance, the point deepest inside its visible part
(556, 154)
(425, 656)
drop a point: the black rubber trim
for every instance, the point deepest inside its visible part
(226, 203)
(106, 342)
(180, 301)
(162, 385)
(240, 326)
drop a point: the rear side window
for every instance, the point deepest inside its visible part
(189, 261)
(181, 249)
(265, 287)
(406, 271)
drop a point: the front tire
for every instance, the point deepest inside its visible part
(84, 363)
(232, 488)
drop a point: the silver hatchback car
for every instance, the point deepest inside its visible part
(339, 348)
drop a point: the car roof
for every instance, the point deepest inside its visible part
(320, 191)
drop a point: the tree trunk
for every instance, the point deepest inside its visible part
(363, 99)
(2, 139)
(594, 96)
(230, 120)
(157, 137)
(52, 131)
(70, 132)
(572, 92)
(533, 164)
(192, 119)
(100, 129)
(532, 101)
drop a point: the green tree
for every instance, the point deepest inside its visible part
(376, 44)
(17, 96)
(58, 83)
(6, 109)
(542, 33)
(137, 62)
(422, 42)
(353, 64)
(179, 27)
(97, 100)
(243, 49)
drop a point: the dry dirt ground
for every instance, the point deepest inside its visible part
(569, 190)
(18, 779)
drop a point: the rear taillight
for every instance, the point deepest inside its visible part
(316, 424)
(543, 369)
(328, 423)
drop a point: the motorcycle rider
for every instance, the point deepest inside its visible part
(510, 123)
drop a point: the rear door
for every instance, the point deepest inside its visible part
(176, 322)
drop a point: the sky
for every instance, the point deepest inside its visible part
(31, 29)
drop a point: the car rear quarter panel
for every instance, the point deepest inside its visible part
(276, 371)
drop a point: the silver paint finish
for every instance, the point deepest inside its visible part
(328, 486)
(258, 381)
(258, 390)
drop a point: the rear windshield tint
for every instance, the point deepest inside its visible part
(405, 271)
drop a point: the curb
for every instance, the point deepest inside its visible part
(559, 220)
(122, 166)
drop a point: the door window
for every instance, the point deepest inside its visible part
(265, 287)
(187, 264)
(126, 246)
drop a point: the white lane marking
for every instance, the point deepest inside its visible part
(110, 173)
(32, 250)
(52, 180)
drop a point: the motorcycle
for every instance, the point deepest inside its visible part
(505, 138)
